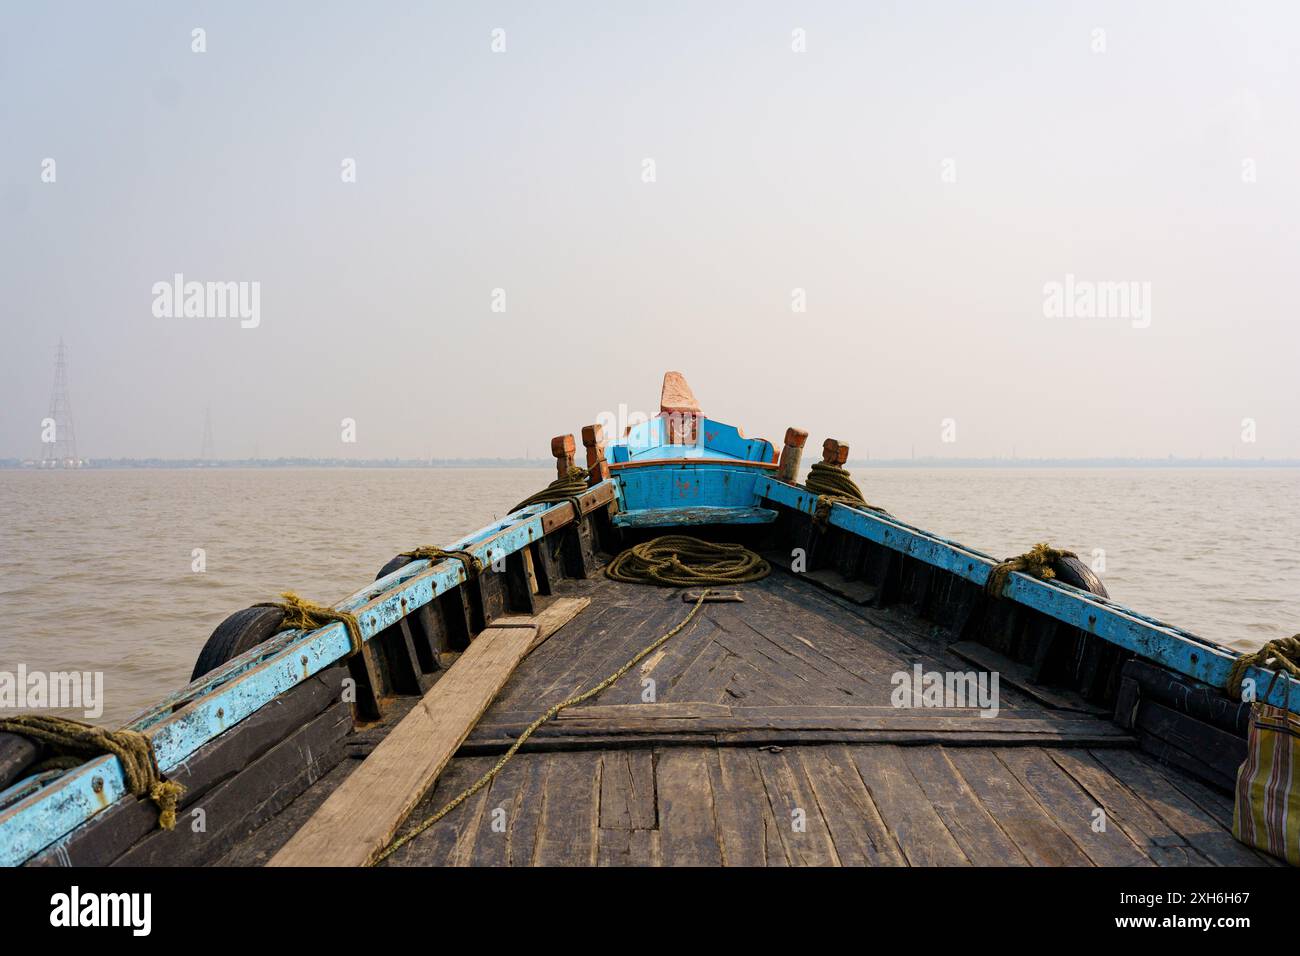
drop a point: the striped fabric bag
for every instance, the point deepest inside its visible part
(1266, 813)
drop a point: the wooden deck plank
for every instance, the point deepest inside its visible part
(746, 825)
(546, 675)
(799, 822)
(819, 649)
(1125, 809)
(359, 819)
(1073, 809)
(975, 831)
(796, 656)
(526, 816)
(440, 844)
(1145, 778)
(627, 847)
(627, 790)
(703, 717)
(1019, 815)
(566, 834)
(746, 685)
(778, 674)
(856, 828)
(667, 667)
(600, 662)
(706, 678)
(687, 832)
(888, 635)
(491, 846)
(905, 809)
(849, 642)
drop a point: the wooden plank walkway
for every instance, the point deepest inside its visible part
(764, 735)
(836, 805)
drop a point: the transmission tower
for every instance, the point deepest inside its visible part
(59, 448)
(206, 453)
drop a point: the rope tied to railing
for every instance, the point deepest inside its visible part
(301, 614)
(677, 560)
(1036, 562)
(74, 742)
(472, 565)
(1282, 656)
(832, 483)
(568, 487)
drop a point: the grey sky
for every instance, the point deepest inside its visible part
(775, 170)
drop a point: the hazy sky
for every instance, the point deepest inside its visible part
(922, 171)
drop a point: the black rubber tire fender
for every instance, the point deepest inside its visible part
(1073, 571)
(400, 561)
(240, 632)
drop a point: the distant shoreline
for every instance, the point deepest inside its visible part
(127, 464)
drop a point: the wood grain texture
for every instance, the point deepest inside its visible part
(361, 817)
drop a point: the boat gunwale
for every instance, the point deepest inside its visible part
(33, 821)
(1165, 644)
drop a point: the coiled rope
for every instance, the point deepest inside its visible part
(567, 488)
(1280, 656)
(832, 483)
(487, 778)
(677, 560)
(300, 614)
(74, 742)
(1036, 562)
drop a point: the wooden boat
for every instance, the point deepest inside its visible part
(767, 732)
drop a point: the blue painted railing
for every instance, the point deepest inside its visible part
(1173, 647)
(36, 812)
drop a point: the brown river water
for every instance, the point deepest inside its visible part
(96, 567)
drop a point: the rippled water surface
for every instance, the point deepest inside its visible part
(95, 566)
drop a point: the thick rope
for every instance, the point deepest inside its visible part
(676, 560)
(473, 566)
(75, 742)
(831, 484)
(487, 778)
(1281, 656)
(1036, 562)
(303, 615)
(568, 488)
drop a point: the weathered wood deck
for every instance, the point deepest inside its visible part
(771, 741)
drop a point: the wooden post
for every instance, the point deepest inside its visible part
(788, 469)
(834, 453)
(593, 438)
(563, 447)
(678, 406)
